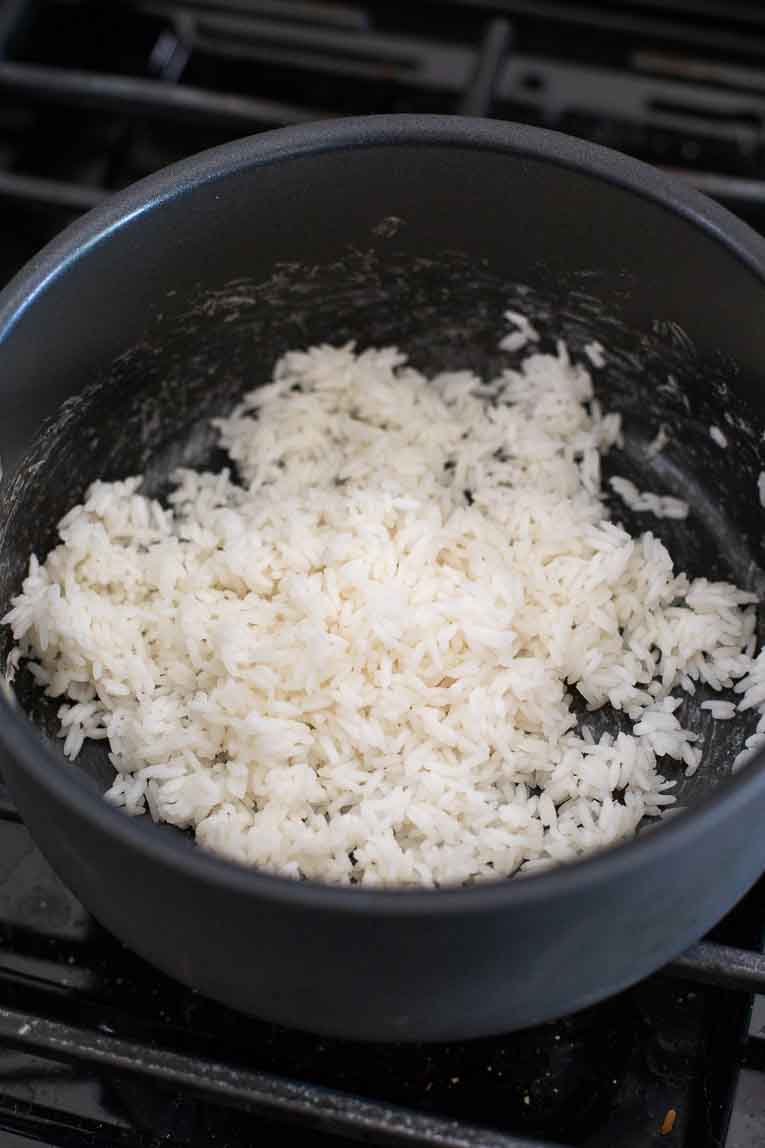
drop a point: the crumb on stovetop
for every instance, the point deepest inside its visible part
(668, 1123)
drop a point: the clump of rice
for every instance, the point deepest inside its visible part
(356, 661)
(752, 687)
(660, 505)
(523, 332)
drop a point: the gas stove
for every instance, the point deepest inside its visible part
(98, 1049)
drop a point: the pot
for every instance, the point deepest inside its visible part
(160, 308)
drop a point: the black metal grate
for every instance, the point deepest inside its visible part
(161, 79)
(97, 1049)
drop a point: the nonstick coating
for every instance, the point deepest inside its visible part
(159, 311)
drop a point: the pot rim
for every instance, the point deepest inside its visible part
(18, 735)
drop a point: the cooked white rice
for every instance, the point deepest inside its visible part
(718, 436)
(522, 333)
(720, 710)
(660, 505)
(595, 352)
(357, 665)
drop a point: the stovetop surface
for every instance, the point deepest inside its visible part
(96, 1048)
